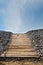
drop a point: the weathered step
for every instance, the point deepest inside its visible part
(22, 50)
(20, 43)
(20, 47)
(21, 54)
(20, 40)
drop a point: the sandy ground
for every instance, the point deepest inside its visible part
(22, 63)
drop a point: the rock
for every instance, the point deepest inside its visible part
(4, 40)
(37, 40)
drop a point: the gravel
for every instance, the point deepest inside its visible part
(37, 40)
(4, 40)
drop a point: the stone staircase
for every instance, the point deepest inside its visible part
(20, 46)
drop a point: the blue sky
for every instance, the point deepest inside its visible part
(20, 16)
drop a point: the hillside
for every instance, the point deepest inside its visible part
(21, 49)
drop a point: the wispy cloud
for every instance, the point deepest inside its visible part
(19, 12)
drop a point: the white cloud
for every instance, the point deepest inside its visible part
(13, 20)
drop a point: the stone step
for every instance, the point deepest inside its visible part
(21, 54)
(20, 47)
(22, 50)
